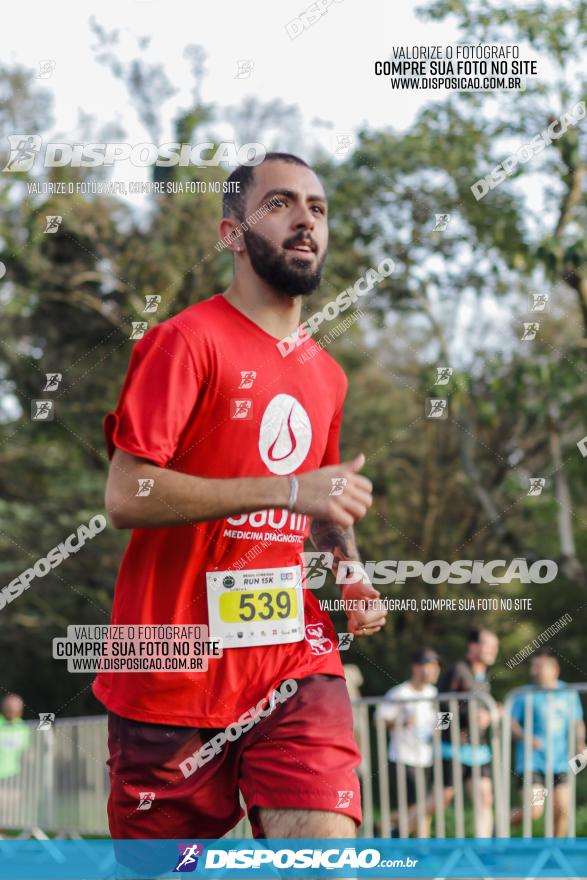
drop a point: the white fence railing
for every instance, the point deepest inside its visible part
(430, 800)
(527, 695)
(62, 787)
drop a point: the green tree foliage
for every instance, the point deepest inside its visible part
(447, 489)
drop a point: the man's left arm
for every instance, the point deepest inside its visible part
(364, 614)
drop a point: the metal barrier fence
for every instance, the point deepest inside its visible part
(63, 783)
(557, 716)
(62, 786)
(412, 817)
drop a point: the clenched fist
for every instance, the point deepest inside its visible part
(365, 622)
(336, 493)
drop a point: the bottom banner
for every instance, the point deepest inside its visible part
(292, 858)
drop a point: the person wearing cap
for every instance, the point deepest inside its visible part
(411, 727)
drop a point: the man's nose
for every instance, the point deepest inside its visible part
(304, 218)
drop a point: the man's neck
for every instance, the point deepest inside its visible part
(478, 667)
(417, 685)
(276, 314)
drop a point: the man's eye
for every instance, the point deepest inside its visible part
(276, 203)
(318, 208)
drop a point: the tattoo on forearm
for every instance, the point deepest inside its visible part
(327, 536)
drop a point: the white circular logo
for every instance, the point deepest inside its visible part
(285, 434)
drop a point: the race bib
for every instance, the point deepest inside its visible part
(256, 606)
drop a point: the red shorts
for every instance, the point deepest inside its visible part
(301, 756)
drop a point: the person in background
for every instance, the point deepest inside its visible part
(411, 726)
(354, 680)
(14, 740)
(552, 710)
(471, 675)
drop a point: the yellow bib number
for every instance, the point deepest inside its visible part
(258, 605)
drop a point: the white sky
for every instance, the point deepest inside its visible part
(327, 71)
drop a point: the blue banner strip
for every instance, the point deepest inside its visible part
(300, 858)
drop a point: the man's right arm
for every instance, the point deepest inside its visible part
(177, 499)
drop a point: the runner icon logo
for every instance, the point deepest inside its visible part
(53, 223)
(52, 381)
(46, 719)
(338, 485)
(539, 795)
(188, 857)
(145, 486)
(443, 720)
(42, 410)
(139, 328)
(241, 409)
(152, 302)
(146, 799)
(344, 799)
(247, 378)
(344, 640)
(316, 564)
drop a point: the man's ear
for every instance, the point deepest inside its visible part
(231, 234)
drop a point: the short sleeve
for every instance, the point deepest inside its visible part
(387, 711)
(332, 451)
(157, 398)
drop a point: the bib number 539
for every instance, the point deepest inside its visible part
(264, 605)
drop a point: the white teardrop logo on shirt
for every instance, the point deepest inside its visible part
(285, 434)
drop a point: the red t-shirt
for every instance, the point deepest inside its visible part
(208, 393)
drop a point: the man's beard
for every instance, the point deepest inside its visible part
(292, 277)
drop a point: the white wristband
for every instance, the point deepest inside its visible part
(294, 487)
